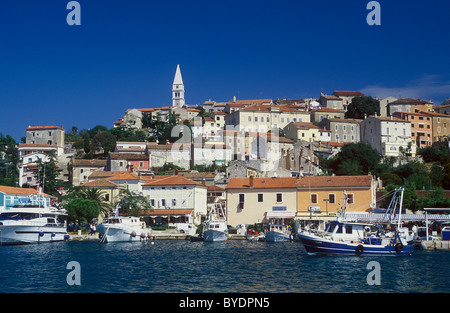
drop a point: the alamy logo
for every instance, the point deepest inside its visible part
(374, 276)
(374, 16)
(74, 16)
(74, 276)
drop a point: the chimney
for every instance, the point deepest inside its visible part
(251, 181)
(176, 172)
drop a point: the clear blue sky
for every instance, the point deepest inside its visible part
(125, 53)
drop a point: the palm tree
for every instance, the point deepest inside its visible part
(98, 196)
(133, 203)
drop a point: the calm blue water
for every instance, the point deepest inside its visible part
(234, 266)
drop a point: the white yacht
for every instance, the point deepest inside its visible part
(215, 226)
(123, 228)
(24, 224)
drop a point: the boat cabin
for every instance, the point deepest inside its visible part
(132, 221)
(345, 231)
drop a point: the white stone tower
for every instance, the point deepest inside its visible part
(178, 89)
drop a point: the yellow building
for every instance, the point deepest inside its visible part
(329, 194)
(302, 131)
(256, 199)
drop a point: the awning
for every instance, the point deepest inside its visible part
(280, 214)
(170, 212)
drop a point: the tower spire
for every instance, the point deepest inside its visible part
(178, 89)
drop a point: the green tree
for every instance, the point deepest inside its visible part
(83, 210)
(9, 159)
(362, 105)
(446, 177)
(47, 175)
(133, 203)
(104, 140)
(354, 154)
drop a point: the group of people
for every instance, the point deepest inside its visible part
(92, 229)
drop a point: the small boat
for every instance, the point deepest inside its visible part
(123, 228)
(278, 232)
(26, 224)
(342, 237)
(215, 226)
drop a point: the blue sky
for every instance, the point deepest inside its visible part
(125, 53)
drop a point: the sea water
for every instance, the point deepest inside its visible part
(239, 266)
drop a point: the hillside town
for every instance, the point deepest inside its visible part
(258, 158)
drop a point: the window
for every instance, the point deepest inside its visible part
(152, 202)
(49, 133)
(279, 197)
(174, 202)
(163, 202)
(313, 198)
(256, 118)
(339, 230)
(350, 199)
(249, 118)
(241, 198)
(260, 197)
(348, 229)
(331, 198)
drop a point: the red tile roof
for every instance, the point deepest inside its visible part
(262, 182)
(347, 93)
(335, 181)
(170, 180)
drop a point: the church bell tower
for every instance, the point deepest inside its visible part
(178, 89)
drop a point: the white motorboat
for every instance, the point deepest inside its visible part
(25, 224)
(278, 232)
(215, 226)
(123, 228)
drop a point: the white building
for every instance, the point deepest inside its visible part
(388, 135)
(176, 196)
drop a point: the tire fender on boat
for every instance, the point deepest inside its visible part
(398, 246)
(133, 234)
(359, 249)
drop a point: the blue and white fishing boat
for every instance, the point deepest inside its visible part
(215, 226)
(341, 237)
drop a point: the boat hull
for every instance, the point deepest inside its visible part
(215, 235)
(276, 236)
(113, 233)
(314, 244)
(24, 234)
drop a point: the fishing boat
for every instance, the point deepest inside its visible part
(215, 226)
(123, 228)
(33, 223)
(278, 232)
(342, 237)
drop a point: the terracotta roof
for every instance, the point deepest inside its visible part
(128, 156)
(89, 163)
(409, 101)
(197, 175)
(324, 109)
(330, 97)
(101, 183)
(123, 175)
(101, 174)
(303, 125)
(347, 93)
(268, 107)
(249, 102)
(171, 180)
(44, 127)
(20, 191)
(335, 181)
(215, 188)
(262, 182)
